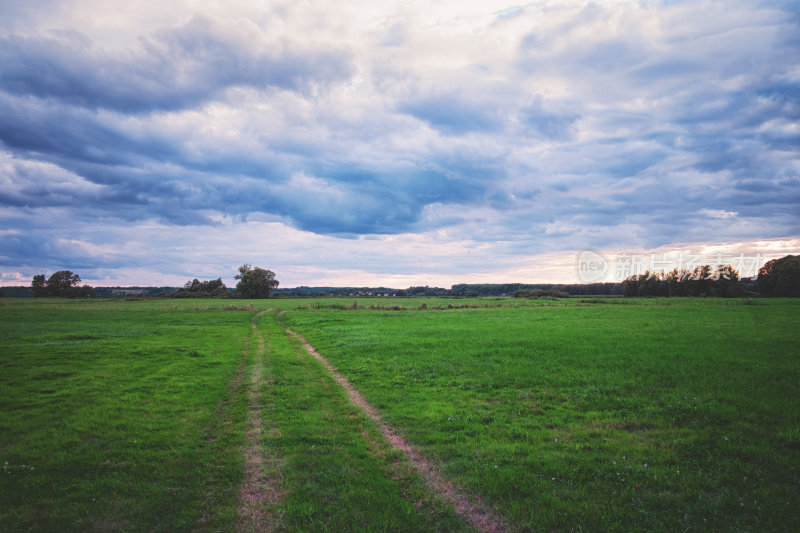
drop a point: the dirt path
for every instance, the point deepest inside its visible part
(477, 513)
(259, 493)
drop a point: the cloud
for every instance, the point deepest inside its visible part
(549, 124)
(508, 13)
(453, 114)
(718, 213)
(25, 183)
(174, 68)
(497, 131)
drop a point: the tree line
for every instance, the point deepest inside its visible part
(521, 290)
(254, 282)
(723, 281)
(778, 277)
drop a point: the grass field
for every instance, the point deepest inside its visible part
(585, 414)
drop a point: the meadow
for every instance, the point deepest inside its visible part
(569, 415)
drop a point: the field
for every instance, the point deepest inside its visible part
(574, 415)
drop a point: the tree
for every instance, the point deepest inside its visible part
(255, 282)
(701, 281)
(780, 277)
(727, 284)
(202, 289)
(39, 285)
(653, 284)
(62, 283)
(85, 292)
(676, 282)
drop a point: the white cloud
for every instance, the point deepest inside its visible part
(718, 213)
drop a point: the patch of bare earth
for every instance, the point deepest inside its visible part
(471, 507)
(260, 493)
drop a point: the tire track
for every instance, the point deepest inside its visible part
(259, 493)
(472, 508)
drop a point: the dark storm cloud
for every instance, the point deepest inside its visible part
(18, 250)
(64, 132)
(343, 199)
(745, 132)
(27, 250)
(173, 69)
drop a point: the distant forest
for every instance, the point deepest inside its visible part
(461, 290)
(778, 277)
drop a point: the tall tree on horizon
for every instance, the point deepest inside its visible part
(255, 282)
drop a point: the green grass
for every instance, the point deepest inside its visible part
(131, 416)
(655, 415)
(112, 416)
(580, 414)
(337, 472)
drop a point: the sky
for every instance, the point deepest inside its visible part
(395, 143)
